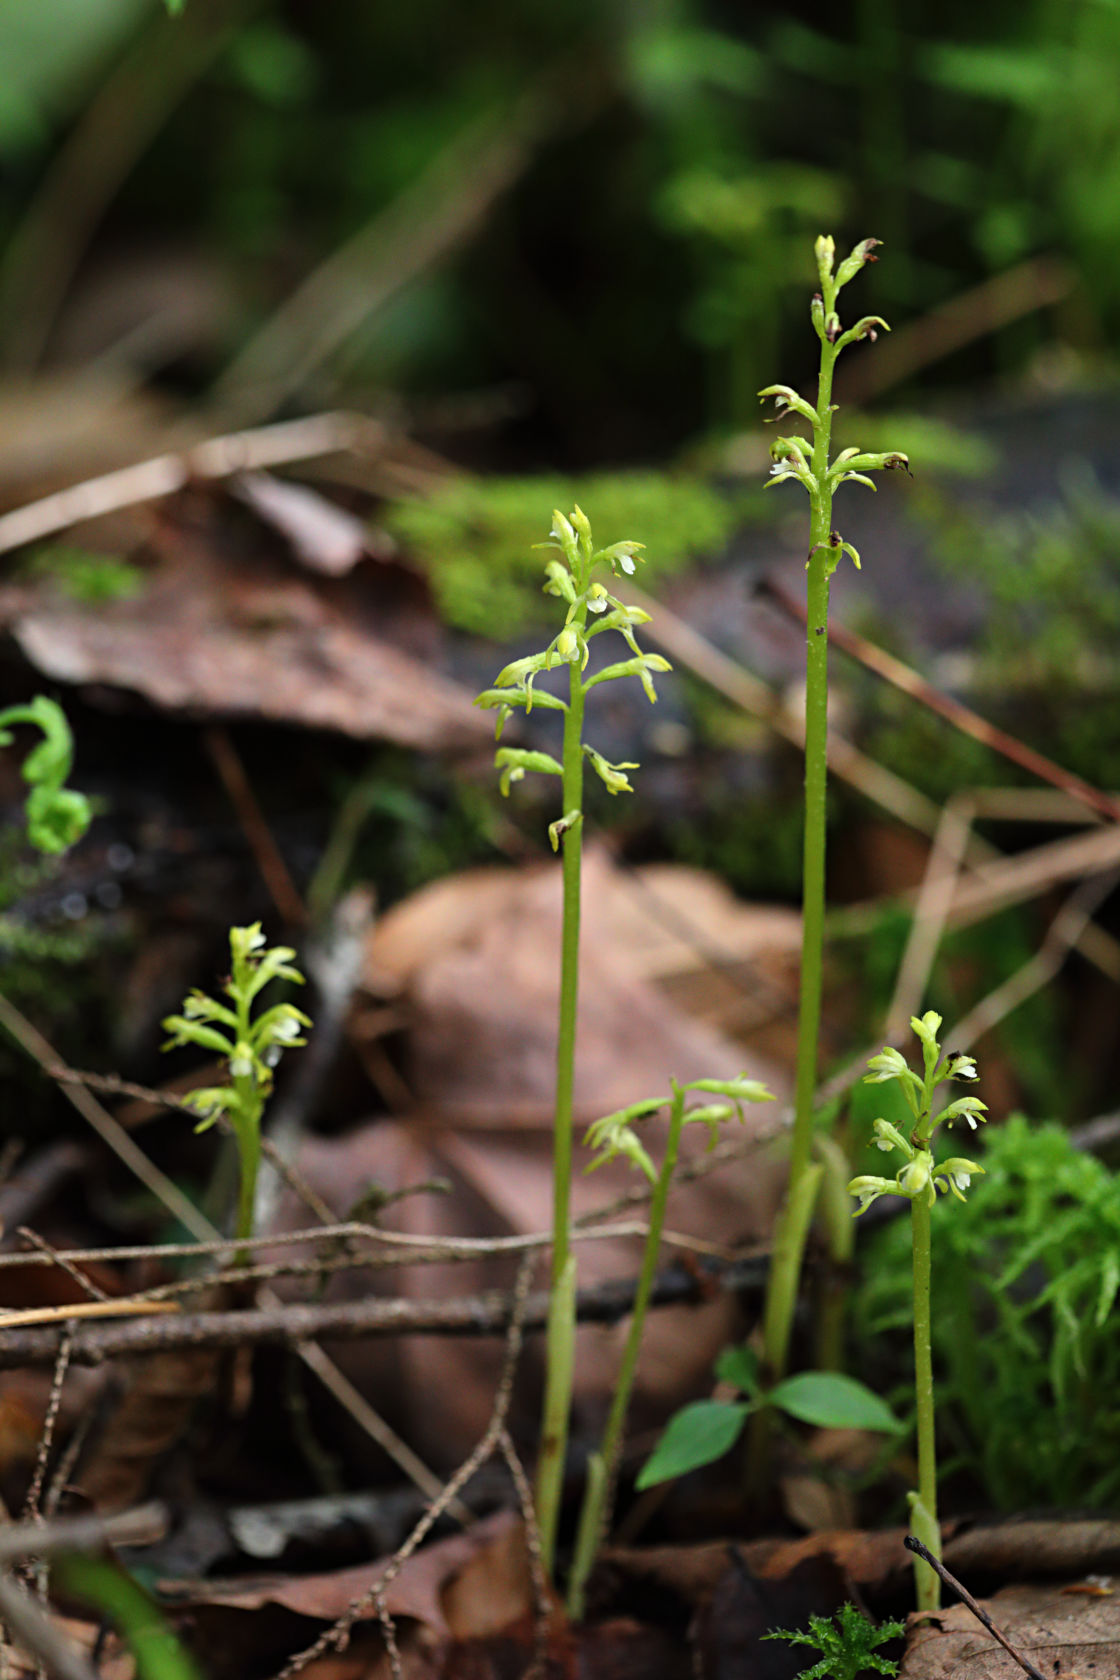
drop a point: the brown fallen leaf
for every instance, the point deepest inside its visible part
(872, 1561)
(477, 957)
(473, 963)
(233, 631)
(1073, 1638)
(424, 1591)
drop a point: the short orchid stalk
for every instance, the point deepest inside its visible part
(575, 575)
(249, 1044)
(919, 1179)
(613, 1136)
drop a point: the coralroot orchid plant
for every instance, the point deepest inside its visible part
(807, 461)
(575, 576)
(250, 1045)
(919, 1179)
(612, 1136)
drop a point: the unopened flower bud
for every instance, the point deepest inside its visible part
(850, 267)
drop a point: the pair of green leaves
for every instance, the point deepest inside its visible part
(704, 1431)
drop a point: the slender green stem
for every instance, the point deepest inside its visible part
(558, 1381)
(926, 1580)
(816, 778)
(836, 1211)
(603, 1476)
(791, 1229)
(787, 1248)
(246, 1120)
(247, 1127)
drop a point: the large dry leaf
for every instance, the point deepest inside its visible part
(1062, 1631)
(234, 633)
(478, 958)
(474, 965)
(454, 1587)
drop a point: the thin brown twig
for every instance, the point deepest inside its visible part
(294, 1324)
(538, 1575)
(517, 1309)
(215, 458)
(114, 1135)
(109, 1130)
(972, 314)
(141, 1526)
(274, 872)
(1061, 937)
(46, 1436)
(689, 648)
(37, 1632)
(913, 1544)
(962, 717)
(407, 1249)
(93, 1290)
(21, 1318)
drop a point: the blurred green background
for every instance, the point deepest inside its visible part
(574, 232)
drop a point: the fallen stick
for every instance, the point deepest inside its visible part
(486, 1314)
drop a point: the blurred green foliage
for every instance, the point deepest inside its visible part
(92, 579)
(653, 242)
(478, 539)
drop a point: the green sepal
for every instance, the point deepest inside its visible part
(612, 776)
(713, 1116)
(563, 825)
(741, 1089)
(184, 1031)
(513, 762)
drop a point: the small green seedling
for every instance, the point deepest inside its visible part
(614, 1135)
(806, 461)
(919, 1179)
(56, 816)
(848, 1644)
(575, 576)
(250, 1046)
(707, 1429)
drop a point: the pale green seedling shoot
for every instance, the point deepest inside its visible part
(613, 1136)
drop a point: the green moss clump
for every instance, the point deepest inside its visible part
(475, 538)
(1024, 1292)
(90, 579)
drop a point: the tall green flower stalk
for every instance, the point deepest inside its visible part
(808, 462)
(575, 576)
(919, 1179)
(616, 1135)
